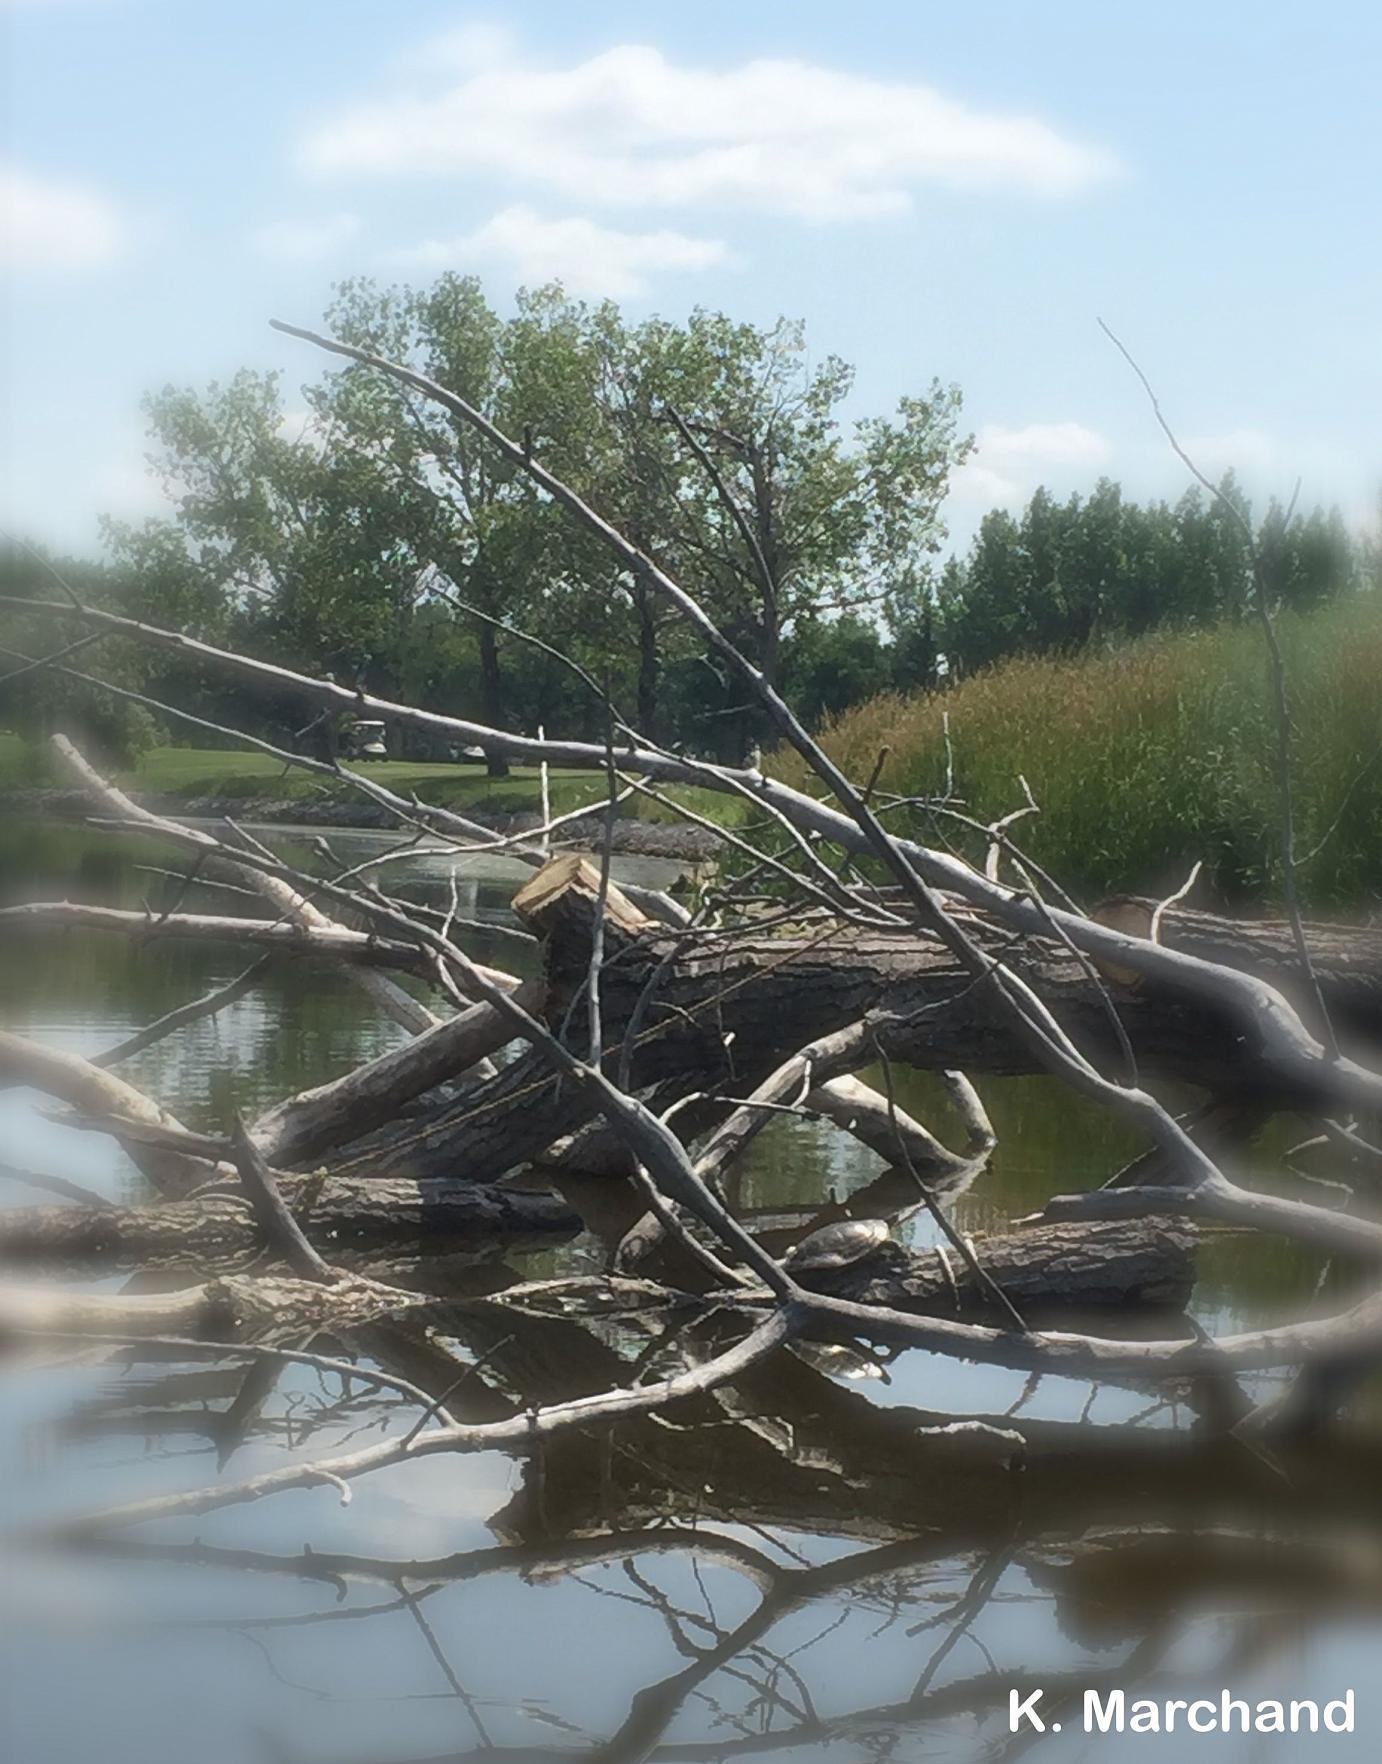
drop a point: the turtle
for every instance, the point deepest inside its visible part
(838, 1361)
(838, 1245)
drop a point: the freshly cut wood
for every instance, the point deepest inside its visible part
(568, 888)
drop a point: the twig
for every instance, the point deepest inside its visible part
(1280, 697)
(193, 1012)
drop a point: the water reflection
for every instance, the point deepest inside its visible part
(797, 1566)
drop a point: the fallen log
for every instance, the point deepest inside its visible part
(1083, 1267)
(1059, 1267)
(1347, 958)
(333, 1211)
(719, 1012)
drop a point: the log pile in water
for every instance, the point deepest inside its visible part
(721, 1012)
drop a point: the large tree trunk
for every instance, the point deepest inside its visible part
(724, 1013)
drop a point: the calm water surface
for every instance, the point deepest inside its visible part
(792, 1572)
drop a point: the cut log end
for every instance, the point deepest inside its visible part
(539, 902)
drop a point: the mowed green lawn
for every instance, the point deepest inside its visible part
(189, 773)
(198, 771)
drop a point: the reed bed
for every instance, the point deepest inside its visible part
(1149, 757)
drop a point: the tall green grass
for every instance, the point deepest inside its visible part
(1155, 755)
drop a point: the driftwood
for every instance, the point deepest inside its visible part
(668, 1035)
(334, 1211)
(720, 1013)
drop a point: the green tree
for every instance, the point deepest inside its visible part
(717, 446)
(830, 664)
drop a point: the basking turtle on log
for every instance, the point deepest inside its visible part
(846, 944)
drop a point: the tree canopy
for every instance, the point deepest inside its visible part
(359, 529)
(375, 536)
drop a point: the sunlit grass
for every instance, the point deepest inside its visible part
(189, 774)
(1155, 755)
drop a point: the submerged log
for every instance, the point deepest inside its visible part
(333, 1211)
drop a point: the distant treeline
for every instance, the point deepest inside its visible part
(359, 530)
(1064, 575)
(1061, 578)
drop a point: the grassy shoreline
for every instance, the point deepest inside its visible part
(1151, 757)
(1144, 759)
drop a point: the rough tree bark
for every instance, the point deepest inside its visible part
(720, 1012)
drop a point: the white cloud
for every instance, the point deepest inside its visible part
(304, 241)
(49, 223)
(1042, 444)
(979, 487)
(630, 127)
(588, 258)
(1009, 463)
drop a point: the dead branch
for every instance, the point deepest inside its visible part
(90, 1089)
(294, 908)
(1270, 1025)
(339, 942)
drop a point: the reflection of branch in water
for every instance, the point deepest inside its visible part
(1123, 1588)
(963, 1612)
(781, 1446)
(437, 1652)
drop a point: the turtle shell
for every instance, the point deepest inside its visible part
(838, 1361)
(836, 1246)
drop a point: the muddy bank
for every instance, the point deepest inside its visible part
(634, 838)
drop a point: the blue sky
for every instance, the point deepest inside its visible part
(937, 189)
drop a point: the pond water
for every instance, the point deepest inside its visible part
(794, 1572)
